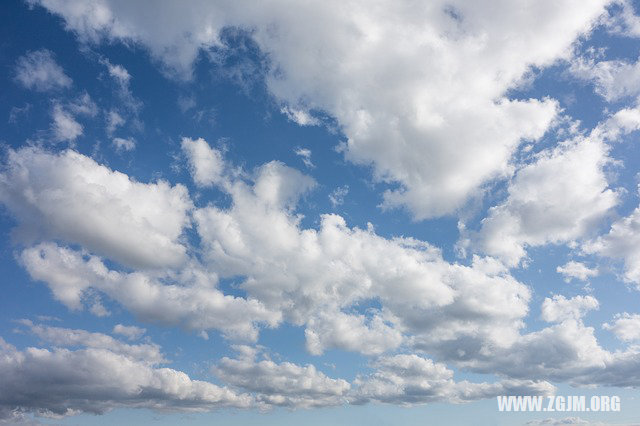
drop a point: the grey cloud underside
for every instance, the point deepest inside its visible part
(101, 373)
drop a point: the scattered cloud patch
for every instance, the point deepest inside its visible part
(64, 127)
(337, 195)
(305, 154)
(122, 144)
(131, 332)
(39, 71)
(576, 270)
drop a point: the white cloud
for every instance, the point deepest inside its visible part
(205, 163)
(119, 73)
(306, 273)
(83, 105)
(397, 379)
(319, 278)
(305, 154)
(122, 78)
(96, 378)
(131, 332)
(337, 195)
(411, 379)
(623, 21)
(613, 80)
(300, 116)
(148, 353)
(188, 298)
(440, 128)
(370, 336)
(122, 144)
(64, 126)
(71, 197)
(559, 197)
(114, 120)
(282, 384)
(577, 270)
(560, 308)
(39, 71)
(621, 242)
(626, 327)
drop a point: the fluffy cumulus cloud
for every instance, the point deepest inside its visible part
(576, 270)
(282, 384)
(39, 71)
(69, 196)
(94, 373)
(560, 308)
(562, 195)
(206, 164)
(613, 80)
(411, 379)
(317, 277)
(437, 132)
(348, 287)
(398, 379)
(438, 129)
(621, 242)
(189, 299)
(626, 327)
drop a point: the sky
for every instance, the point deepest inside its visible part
(322, 212)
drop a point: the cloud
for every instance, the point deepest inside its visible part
(300, 116)
(623, 21)
(71, 197)
(307, 273)
(39, 71)
(131, 332)
(438, 129)
(561, 196)
(577, 270)
(337, 195)
(397, 379)
(185, 103)
(621, 242)
(411, 379)
(114, 120)
(205, 163)
(560, 308)
(148, 353)
(83, 105)
(96, 379)
(188, 298)
(122, 78)
(118, 73)
(305, 154)
(282, 384)
(122, 144)
(626, 327)
(359, 333)
(613, 80)
(64, 126)
(348, 287)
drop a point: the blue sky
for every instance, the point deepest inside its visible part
(317, 213)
